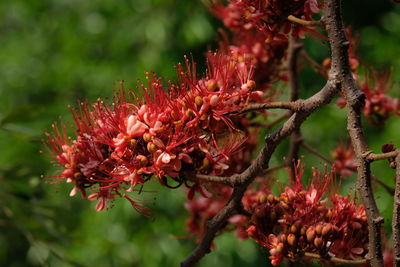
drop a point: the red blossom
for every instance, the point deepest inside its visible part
(344, 160)
(268, 17)
(302, 220)
(165, 134)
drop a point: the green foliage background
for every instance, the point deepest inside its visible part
(55, 52)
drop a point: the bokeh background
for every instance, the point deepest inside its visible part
(55, 52)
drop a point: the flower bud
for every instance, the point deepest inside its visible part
(189, 113)
(293, 229)
(283, 237)
(151, 147)
(326, 63)
(251, 84)
(262, 199)
(132, 143)
(318, 229)
(279, 248)
(198, 100)
(291, 240)
(146, 137)
(271, 198)
(214, 100)
(326, 229)
(318, 242)
(310, 234)
(211, 85)
(303, 230)
(143, 160)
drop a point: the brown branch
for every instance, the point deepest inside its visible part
(261, 162)
(385, 186)
(373, 157)
(304, 22)
(340, 68)
(314, 65)
(264, 106)
(293, 73)
(396, 215)
(315, 152)
(215, 179)
(335, 259)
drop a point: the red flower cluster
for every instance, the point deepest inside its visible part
(267, 16)
(345, 160)
(379, 106)
(184, 129)
(300, 220)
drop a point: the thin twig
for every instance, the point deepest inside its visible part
(374, 157)
(264, 106)
(214, 179)
(315, 65)
(304, 22)
(294, 86)
(335, 259)
(315, 152)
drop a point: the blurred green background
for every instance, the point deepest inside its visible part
(54, 52)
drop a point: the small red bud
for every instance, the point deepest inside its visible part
(271, 198)
(151, 147)
(318, 242)
(198, 100)
(318, 229)
(291, 240)
(326, 229)
(211, 85)
(146, 137)
(310, 234)
(262, 199)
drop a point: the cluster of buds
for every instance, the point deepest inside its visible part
(267, 16)
(185, 128)
(301, 221)
(344, 160)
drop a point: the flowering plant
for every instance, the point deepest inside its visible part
(202, 132)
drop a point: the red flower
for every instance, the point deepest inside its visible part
(345, 160)
(166, 134)
(301, 220)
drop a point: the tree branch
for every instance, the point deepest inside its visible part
(396, 215)
(370, 156)
(295, 139)
(340, 68)
(264, 106)
(335, 259)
